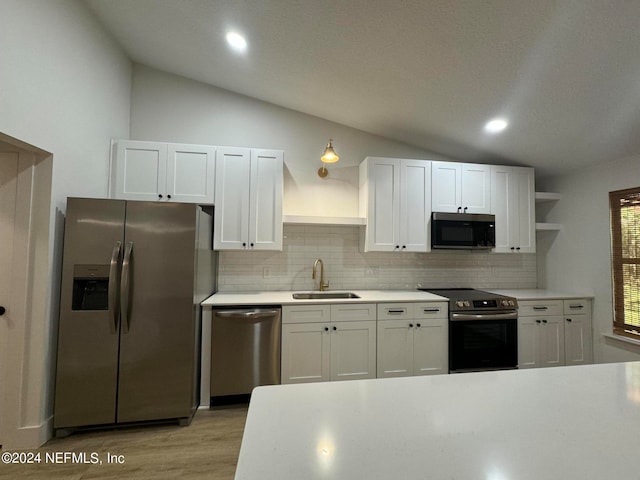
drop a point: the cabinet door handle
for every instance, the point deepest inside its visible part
(396, 312)
(576, 306)
(540, 308)
(430, 310)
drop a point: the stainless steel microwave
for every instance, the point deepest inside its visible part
(463, 231)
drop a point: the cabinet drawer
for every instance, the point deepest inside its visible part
(393, 311)
(577, 305)
(544, 307)
(351, 312)
(431, 310)
(306, 313)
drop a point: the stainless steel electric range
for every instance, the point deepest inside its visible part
(483, 330)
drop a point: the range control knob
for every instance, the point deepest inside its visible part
(512, 303)
(505, 303)
(460, 303)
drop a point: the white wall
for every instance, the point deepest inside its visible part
(65, 88)
(170, 108)
(578, 258)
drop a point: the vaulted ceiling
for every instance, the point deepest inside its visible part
(430, 73)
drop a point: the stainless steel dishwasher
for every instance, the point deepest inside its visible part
(245, 350)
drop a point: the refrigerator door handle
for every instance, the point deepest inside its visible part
(113, 287)
(125, 288)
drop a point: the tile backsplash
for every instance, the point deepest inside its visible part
(346, 267)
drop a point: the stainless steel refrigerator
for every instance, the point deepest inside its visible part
(133, 275)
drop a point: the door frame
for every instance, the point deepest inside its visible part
(25, 366)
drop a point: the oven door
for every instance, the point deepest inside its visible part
(487, 341)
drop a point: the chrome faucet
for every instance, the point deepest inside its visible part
(323, 285)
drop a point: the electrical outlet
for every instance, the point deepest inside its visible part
(371, 272)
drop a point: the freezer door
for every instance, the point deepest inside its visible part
(159, 327)
(87, 364)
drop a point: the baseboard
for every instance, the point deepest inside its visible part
(29, 437)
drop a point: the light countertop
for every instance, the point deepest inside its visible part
(578, 422)
(285, 298)
(536, 294)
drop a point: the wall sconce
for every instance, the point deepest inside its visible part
(328, 156)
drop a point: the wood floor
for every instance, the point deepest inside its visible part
(206, 449)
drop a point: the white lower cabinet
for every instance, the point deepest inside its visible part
(412, 339)
(342, 346)
(550, 333)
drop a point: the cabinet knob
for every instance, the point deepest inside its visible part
(244, 244)
(459, 208)
(538, 321)
(251, 245)
(517, 248)
(159, 195)
(326, 329)
(168, 196)
(404, 246)
(335, 328)
(544, 321)
(465, 209)
(568, 319)
(397, 246)
(418, 325)
(411, 325)
(2, 310)
(513, 248)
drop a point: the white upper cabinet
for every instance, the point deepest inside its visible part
(513, 204)
(248, 199)
(156, 171)
(461, 187)
(395, 198)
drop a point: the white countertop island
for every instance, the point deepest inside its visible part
(580, 422)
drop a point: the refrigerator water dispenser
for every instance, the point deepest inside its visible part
(90, 287)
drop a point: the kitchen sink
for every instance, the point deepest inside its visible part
(323, 295)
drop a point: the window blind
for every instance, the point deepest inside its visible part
(625, 251)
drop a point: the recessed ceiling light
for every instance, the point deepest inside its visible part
(236, 41)
(496, 125)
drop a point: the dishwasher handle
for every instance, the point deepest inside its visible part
(246, 313)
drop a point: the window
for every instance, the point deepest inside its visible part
(625, 252)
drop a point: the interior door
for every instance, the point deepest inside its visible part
(159, 326)
(8, 190)
(87, 366)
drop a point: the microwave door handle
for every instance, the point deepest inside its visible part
(112, 293)
(125, 288)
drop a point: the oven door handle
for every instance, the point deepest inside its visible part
(456, 317)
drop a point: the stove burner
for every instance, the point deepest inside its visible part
(470, 299)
